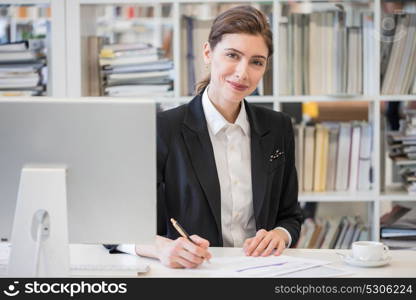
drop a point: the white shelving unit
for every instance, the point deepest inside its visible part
(372, 199)
(57, 63)
(72, 19)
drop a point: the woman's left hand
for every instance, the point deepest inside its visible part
(265, 242)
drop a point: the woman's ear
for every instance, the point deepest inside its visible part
(207, 53)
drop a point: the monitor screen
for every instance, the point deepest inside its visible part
(108, 148)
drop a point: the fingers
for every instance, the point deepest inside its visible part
(200, 241)
(196, 259)
(246, 244)
(280, 248)
(185, 263)
(196, 250)
(262, 245)
(272, 245)
(255, 241)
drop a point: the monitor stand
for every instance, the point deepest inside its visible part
(40, 233)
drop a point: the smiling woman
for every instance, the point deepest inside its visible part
(225, 167)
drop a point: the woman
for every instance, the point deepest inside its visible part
(225, 167)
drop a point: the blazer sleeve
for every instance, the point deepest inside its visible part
(290, 215)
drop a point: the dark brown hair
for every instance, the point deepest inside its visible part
(239, 19)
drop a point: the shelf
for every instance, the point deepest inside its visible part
(22, 2)
(396, 193)
(119, 2)
(338, 197)
(146, 2)
(326, 98)
(117, 23)
(186, 99)
(397, 97)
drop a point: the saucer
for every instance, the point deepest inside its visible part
(366, 263)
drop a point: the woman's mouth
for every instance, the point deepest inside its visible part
(237, 86)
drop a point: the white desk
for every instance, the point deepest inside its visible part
(403, 262)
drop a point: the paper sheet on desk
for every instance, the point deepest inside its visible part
(318, 272)
(4, 258)
(248, 266)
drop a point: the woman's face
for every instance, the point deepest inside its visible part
(238, 63)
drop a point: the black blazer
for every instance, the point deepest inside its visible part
(188, 188)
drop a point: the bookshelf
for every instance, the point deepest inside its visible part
(55, 40)
(79, 18)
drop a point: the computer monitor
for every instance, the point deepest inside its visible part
(107, 149)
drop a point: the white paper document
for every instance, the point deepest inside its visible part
(4, 258)
(318, 272)
(4, 253)
(248, 266)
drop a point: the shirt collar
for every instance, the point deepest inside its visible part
(216, 121)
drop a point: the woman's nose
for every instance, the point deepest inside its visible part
(241, 70)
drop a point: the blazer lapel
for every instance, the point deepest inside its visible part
(261, 145)
(198, 143)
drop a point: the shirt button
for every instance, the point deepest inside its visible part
(235, 182)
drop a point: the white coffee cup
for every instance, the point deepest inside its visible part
(369, 250)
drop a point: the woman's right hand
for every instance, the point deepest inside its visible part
(182, 253)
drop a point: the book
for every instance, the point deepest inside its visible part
(401, 65)
(20, 56)
(128, 60)
(94, 44)
(309, 156)
(319, 145)
(333, 227)
(364, 164)
(321, 154)
(300, 129)
(332, 156)
(354, 157)
(343, 158)
(345, 223)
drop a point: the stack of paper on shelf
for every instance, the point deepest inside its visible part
(402, 149)
(22, 68)
(398, 227)
(401, 66)
(135, 70)
(334, 156)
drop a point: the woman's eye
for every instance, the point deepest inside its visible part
(232, 55)
(258, 63)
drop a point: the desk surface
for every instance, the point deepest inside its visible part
(403, 263)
